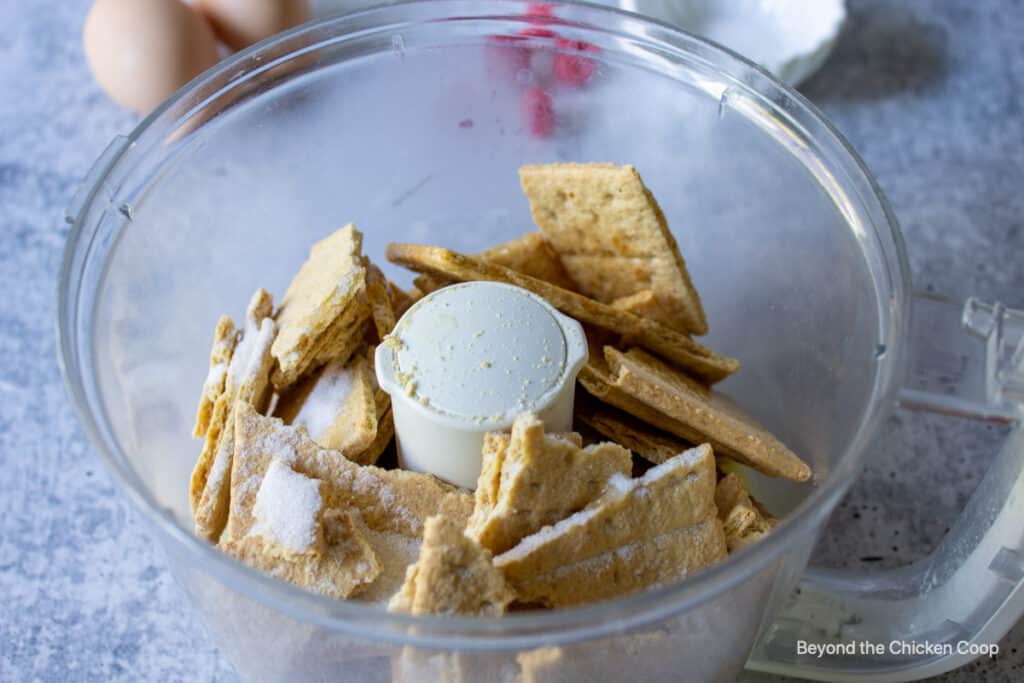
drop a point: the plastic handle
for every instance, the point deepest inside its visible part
(939, 613)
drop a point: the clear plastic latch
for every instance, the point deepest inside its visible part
(1002, 330)
(967, 359)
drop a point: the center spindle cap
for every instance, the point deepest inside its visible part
(469, 358)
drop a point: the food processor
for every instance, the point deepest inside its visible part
(408, 121)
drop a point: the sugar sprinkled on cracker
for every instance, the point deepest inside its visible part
(612, 546)
(389, 500)
(336, 404)
(287, 508)
(225, 337)
(246, 380)
(530, 479)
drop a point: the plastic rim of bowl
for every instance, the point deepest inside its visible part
(514, 631)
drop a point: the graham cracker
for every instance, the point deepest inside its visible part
(382, 310)
(209, 487)
(604, 210)
(382, 439)
(609, 278)
(529, 480)
(530, 254)
(341, 563)
(394, 501)
(626, 569)
(247, 380)
(643, 303)
(337, 404)
(428, 284)
(341, 340)
(225, 336)
(669, 343)
(641, 532)
(385, 422)
(401, 299)
(453, 575)
(327, 289)
(683, 407)
(743, 519)
(641, 438)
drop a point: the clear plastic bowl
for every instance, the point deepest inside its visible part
(407, 120)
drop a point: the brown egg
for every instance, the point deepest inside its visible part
(141, 51)
(240, 23)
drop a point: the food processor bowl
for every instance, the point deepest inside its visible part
(411, 121)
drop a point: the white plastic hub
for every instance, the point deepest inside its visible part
(467, 360)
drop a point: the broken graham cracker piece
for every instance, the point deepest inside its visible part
(337, 405)
(670, 344)
(605, 224)
(209, 486)
(641, 532)
(530, 479)
(529, 254)
(658, 393)
(343, 339)
(644, 303)
(295, 538)
(383, 438)
(401, 299)
(385, 431)
(453, 575)
(428, 284)
(392, 501)
(322, 307)
(378, 296)
(641, 438)
(743, 519)
(225, 336)
(246, 379)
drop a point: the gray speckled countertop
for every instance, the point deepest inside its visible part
(929, 93)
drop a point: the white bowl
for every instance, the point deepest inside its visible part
(790, 38)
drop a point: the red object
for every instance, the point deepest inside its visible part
(539, 112)
(507, 54)
(537, 33)
(575, 69)
(540, 10)
(513, 57)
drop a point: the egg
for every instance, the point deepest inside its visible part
(240, 23)
(142, 51)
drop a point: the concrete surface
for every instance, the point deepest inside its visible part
(928, 93)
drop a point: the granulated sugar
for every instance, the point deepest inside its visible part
(287, 508)
(325, 401)
(240, 359)
(215, 379)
